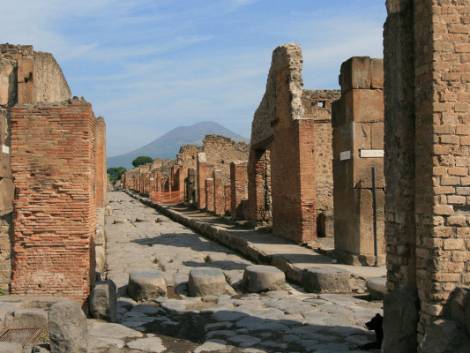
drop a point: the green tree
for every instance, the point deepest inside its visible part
(115, 173)
(141, 160)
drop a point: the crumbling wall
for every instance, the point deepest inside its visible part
(49, 80)
(55, 206)
(221, 151)
(427, 161)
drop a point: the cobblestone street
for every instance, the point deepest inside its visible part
(287, 320)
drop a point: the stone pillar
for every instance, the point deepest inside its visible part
(101, 178)
(259, 186)
(427, 115)
(210, 194)
(203, 171)
(219, 191)
(239, 188)
(55, 207)
(227, 198)
(191, 186)
(357, 148)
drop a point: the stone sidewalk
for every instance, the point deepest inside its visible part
(262, 247)
(284, 320)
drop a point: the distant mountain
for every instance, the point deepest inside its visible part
(168, 145)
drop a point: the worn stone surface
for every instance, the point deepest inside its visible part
(68, 331)
(10, 347)
(377, 287)
(146, 285)
(260, 278)
(327, 280)
(103, 301)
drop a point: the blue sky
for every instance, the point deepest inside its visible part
(151, 65)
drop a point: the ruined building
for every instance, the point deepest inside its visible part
(53, 148)
(290, 169)
(359, 188)
(427, 160)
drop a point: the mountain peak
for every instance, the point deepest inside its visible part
(167, 145)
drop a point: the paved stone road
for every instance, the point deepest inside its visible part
(287, 320)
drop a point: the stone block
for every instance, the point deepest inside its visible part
(377, 287)
(206, 281)
(68, 332)
(146, 285)
(103, 301)
(326, 280)
(258, 278)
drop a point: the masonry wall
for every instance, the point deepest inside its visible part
(358, 147)
(101, 180)
(238, 189)
(55, 206)
(431, 255)
(318, 107)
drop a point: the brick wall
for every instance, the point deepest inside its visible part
(318, 107)
(427, 134)
(219, 193)
(209, 194)
(259, 186)
(238, 189)
(55, 207)
(358, 131)
(101, 174)
(204, 170)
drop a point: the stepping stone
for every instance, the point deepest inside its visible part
(206, 281)
(103, 301)
(111, 331)
(326, 280)
(377, 287)
(146, 285)
(258, 278)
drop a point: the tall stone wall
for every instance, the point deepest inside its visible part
(427, 138)
(55, 206)
(358, 147)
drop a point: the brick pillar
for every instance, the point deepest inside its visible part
(101, 178)
(219, 191)
(227, 198)
(239, 188)
(202, 174)
(190, 186)
(427, 136)
(357, 148)
(101, 175)
(259, 186)
(210, 194)
(55, 207)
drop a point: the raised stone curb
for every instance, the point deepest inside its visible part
(146, 285)
(327, 280)
(259, 278)
(206, 281)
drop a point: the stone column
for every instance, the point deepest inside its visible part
(210, 194)
(101, 178)
(219, 191)
(239, 187)
(227, 198)
(357, 148)
(203, 172)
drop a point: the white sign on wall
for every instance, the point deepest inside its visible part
(372, 153)
(5, 149)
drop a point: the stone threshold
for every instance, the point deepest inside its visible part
(261, 247)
